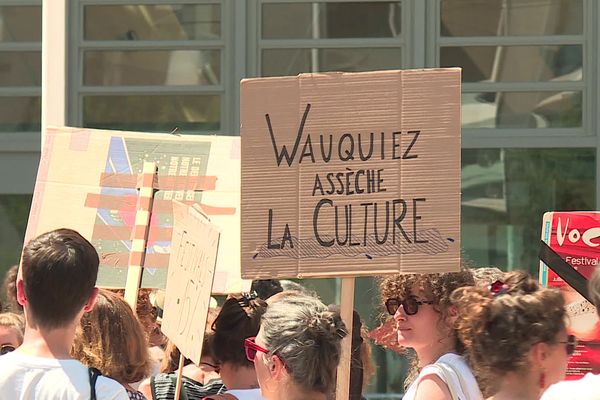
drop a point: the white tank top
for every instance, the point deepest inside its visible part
(456, 374)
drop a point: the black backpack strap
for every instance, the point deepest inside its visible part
(93, 374)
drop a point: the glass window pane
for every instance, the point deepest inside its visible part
(156, 113)
(159, 67)
(330, 20)
(152, 22)
(14, 211)
(20, 68)
(514, 17)
(20, 114)
(522, 110)
(276, 62)
(20, 24)
(505, 193)
(515, 63)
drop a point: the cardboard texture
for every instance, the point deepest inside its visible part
(347, 174)
(88, 179)
(575, 237)
(191, 272)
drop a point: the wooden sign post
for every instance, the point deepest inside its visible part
(140, 233)
(365, 170)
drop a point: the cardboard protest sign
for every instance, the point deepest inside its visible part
(190, 278)
(575, 237)
(88, 180)
(347, 174)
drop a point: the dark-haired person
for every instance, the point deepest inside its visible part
(425, 321)
(588, 387)
(56, 286)
(515, 336)
(9, 291)
(297, 349)
(239, 318)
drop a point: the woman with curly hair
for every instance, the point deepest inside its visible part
(587, 388)
(515, 335)
(112, 340)
(425, 321)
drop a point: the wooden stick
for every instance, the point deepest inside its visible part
(342, 391)
(179, 376)
(139, 236)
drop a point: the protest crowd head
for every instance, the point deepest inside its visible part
(59, 271)
(111, 339)
(432, 291)
(12, 327)
(300, 341)
(514, 332)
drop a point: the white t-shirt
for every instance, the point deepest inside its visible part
(586, 388)
(24, 377)
(246, 394)
(454, 371)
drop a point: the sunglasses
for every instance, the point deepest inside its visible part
(571, 343)
(6, 349)
(215, 367)
(410, 305)
(251, 348)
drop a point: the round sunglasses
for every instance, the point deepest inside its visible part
(7, 348)
(571, 344)
(251, 348)
(410, 305)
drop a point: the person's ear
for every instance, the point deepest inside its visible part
(276, 367)
(538, 354)
(451, 315)
(89, 305)
(21, 298)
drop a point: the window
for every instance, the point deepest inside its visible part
(523, 63)
(296, 37)
(152, 67)
(20, 67)
(505, 193)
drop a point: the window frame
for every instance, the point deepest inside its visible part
(526, 137)
(78, 46)
(257, 44)
(25, 141)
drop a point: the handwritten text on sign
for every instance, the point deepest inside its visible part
(189, 280)
(350, 177)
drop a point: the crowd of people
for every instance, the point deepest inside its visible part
(476, 333)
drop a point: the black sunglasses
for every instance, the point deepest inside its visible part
(571, 343)
(6, 349)
(410, 305)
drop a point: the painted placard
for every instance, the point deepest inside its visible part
(347, 174)
(88, 179)
(575, 237)
(191, 271)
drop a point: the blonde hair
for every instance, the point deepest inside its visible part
(111, 339)
(15, 322)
